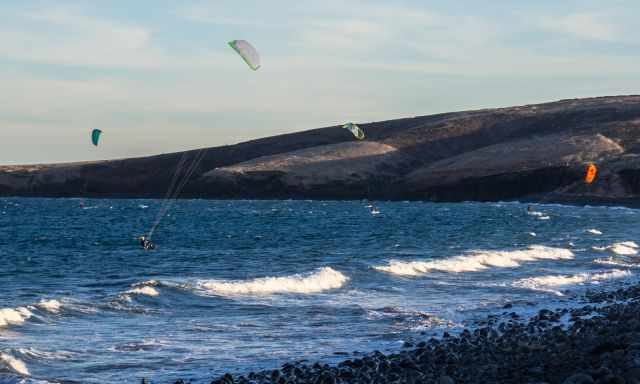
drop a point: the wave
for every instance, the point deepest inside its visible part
(35, 354)
(16, 365)
(625, 248)
(11, 316)
(144, 290)
(594, 231)
(477, 261)
(550, 282)
(322, 280)
(51, 306)
(617, 263)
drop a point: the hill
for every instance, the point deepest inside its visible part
(524, 152)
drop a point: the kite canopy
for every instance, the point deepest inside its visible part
(247, 52)
(357, 132)
(95, 136)
(591, 173)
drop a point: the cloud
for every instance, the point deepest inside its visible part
(67, 36)
(214, 13)
(584, 26)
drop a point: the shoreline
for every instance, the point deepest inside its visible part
(633, 203)
(598, 342)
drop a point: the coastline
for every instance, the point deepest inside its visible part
(598, 342)
(510, 153)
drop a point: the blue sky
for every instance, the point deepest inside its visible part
(157, 76)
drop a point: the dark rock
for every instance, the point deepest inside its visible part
(579, 378)
(446, 380)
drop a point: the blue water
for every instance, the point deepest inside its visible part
(81, 301)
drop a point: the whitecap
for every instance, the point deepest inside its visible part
(14, 364)
(51, 306)
(618, 263)
(627, 248)
(477, 261)
(144, 290)
(10, 316)
(549, 283)
(322, 280)
(594, 231)
(532, 234)
(544, 218)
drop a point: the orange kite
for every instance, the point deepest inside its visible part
(591, 173)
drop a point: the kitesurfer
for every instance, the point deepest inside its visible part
(146, 243)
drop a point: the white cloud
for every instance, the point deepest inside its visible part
(214, 13)
(61, 36)
(584, 26)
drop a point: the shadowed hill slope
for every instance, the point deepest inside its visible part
(492, 154)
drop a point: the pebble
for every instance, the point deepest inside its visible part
(602, 349)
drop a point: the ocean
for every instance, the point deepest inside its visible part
(237, 286)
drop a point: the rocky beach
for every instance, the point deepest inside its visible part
(597, 342)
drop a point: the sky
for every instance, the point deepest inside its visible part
(158, 76)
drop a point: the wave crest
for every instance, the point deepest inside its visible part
(51, 306)
(322, 280)
(477, 261)
(549, 282)
(14, 364)
(11, 316)
(627, 248)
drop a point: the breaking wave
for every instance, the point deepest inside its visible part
(16, 365)
(146, 288)
(51, 306)
(594, 231)
(477, 261)
(625, 248)
(550, 283)
(617, 263)
(322, 280)
(11, 316)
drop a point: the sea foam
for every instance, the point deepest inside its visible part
(477, 261)
(144, 290)
(51, 306)
(322, 280)
(10, 316)
(627, 248)
(550, 283)
(14, 364)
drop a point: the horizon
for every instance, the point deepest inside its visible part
(159, 78)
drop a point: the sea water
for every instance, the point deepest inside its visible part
(235, 286)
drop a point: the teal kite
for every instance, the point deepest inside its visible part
(95, 136)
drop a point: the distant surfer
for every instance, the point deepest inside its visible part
(145, 243)
(529, 208)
